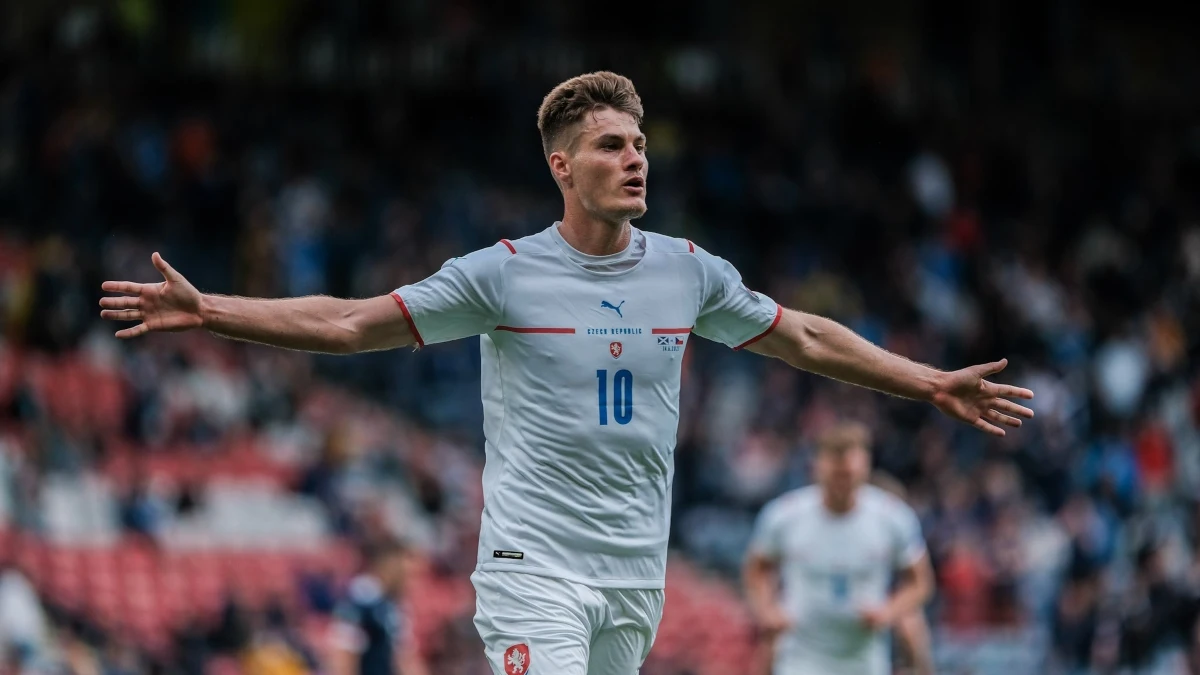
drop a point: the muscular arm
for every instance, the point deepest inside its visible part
(825, 347)
(314, 323)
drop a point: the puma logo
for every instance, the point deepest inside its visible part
(607, 305)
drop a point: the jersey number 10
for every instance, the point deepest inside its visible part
(622, 396)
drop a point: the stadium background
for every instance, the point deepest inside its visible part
(956, 181)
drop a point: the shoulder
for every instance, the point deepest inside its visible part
(686, 255)
(793, 503)
(670, 245)
(883, 503)
(485, 263)
(538, 243)
(491, 256)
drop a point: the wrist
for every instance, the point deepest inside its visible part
(207, 309)
(933, 387)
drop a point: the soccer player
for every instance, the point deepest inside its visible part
(582, 329)
(836, 545)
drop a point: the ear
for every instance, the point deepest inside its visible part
(560, 168)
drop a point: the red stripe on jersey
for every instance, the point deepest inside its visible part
(670, 331)
(408, 317)
(509, 245)
(765, 333)
(517, 329)
(691, 246)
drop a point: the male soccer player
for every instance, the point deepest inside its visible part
(836, 545)
(582, 328)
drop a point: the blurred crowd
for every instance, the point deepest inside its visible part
(958, 185)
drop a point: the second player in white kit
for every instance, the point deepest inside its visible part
(836, 547)
(583, 330)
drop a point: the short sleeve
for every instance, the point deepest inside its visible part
(731, 313)
(767, 539)
(462, 299)
(908, 546)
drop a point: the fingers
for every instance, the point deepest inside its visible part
(987, 428)
(122, 287)
(166, 270)
(1009, 391)
(1006, 406)
(122, 314)
(136, 331)
(121, 302)
(992, 368)
(1001, 418)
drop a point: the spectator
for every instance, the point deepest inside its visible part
(1157, 611)
(22, 618)
(374, 632)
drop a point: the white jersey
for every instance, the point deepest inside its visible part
(580, 382)
(832, 567)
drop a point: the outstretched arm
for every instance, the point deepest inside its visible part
(825, 347)
(314, 323)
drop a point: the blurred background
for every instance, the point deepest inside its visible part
(958, 182)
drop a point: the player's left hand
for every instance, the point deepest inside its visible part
(967, 396)
(876, 618)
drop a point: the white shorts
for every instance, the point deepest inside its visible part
(534, 625)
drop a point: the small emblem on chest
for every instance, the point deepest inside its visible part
(615, 349)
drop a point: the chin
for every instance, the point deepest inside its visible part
(633, 210)
(619, 214)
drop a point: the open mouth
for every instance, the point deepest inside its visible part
(637, 184)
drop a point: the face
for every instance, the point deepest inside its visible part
(841, 473)
(605, 165)
(395, 570)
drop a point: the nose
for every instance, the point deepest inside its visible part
(634, 160)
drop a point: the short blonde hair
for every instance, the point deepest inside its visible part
(844, 435)
(567, 103)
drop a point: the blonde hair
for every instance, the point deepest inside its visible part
(843, 436)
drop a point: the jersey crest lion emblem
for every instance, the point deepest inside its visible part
(516, 660)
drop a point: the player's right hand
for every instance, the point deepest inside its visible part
(171, 305)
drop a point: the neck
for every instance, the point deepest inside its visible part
(591, 235)
(839, 503)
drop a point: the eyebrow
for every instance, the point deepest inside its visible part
(617, 137)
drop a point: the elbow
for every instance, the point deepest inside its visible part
(926, 587)
(346, 345)
(804, 344)
(349, 332)
(925, 594)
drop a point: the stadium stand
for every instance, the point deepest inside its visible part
(185, 504)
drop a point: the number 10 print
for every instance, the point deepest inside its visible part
(622, 396)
